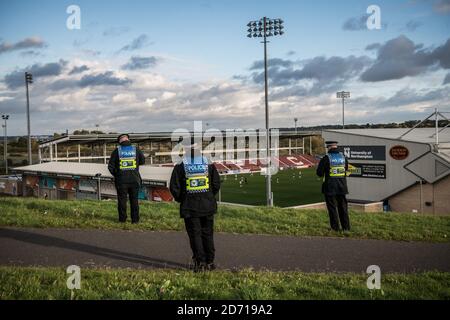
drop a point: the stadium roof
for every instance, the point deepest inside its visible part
(422, 135)
(74, 169)
(145, 137)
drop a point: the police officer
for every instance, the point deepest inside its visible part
(124, 166)
(194, 184)
(333, 168)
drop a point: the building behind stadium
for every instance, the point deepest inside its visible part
(409, 170)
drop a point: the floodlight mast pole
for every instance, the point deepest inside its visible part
(266, 26)
(28, 80)
(295, 121)
(5, 142)
(343, 95)
(266, 93)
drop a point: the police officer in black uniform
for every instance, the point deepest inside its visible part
(194, 184)
(124, 166)
(333, 167)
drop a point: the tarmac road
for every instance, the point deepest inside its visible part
(142, 249)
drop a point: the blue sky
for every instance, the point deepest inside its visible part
(202, 59)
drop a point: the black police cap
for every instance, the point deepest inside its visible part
(329, 143)
(123, 135)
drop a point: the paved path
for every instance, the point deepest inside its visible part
(138, 249)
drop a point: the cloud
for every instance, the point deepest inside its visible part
(413, 25)
(115, 31)
(356, 23)
(275, 62)
(400, 57)
(106, 78)
(103, 79)
(321, 69)
(30, 53)
(124, 98)
(373, 46)
(442, 6)
(137, 63)
(446, 79)
(78, 69)
(138, 43)
(407, 96)
(15, 79)
(442, 55)
(32, 42)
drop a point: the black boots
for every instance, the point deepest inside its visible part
(197, 266)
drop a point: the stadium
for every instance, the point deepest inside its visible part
(207, 152)
(65, 172)
(418, 181)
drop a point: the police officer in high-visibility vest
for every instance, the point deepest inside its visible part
(124, 167)
(194, 184)
(333, 168)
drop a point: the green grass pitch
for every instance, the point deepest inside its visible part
(290, 187)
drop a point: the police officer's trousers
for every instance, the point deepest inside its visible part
(125, 191)
(338, 211)
(201, 237)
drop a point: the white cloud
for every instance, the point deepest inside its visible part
(122, 98)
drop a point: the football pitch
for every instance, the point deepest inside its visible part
(290, 187)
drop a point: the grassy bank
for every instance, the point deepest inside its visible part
(29, 212)
(50, 283)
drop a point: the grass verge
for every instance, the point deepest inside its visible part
(50, 283)
(31, 212)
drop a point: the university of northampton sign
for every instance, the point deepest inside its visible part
(399, 152)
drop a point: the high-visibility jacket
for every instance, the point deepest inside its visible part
(194, 184)
(332, 169)
(127, 157)
(337, 164)
(196, 171)
(124, 164)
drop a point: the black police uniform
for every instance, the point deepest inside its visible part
(197, 207)
(335, 189)
(127, 179)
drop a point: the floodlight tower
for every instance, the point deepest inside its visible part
(343, 95)
(28, 80)
(5, 142)
(295, 122)
(264, 28)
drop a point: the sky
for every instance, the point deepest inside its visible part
(141, 66)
